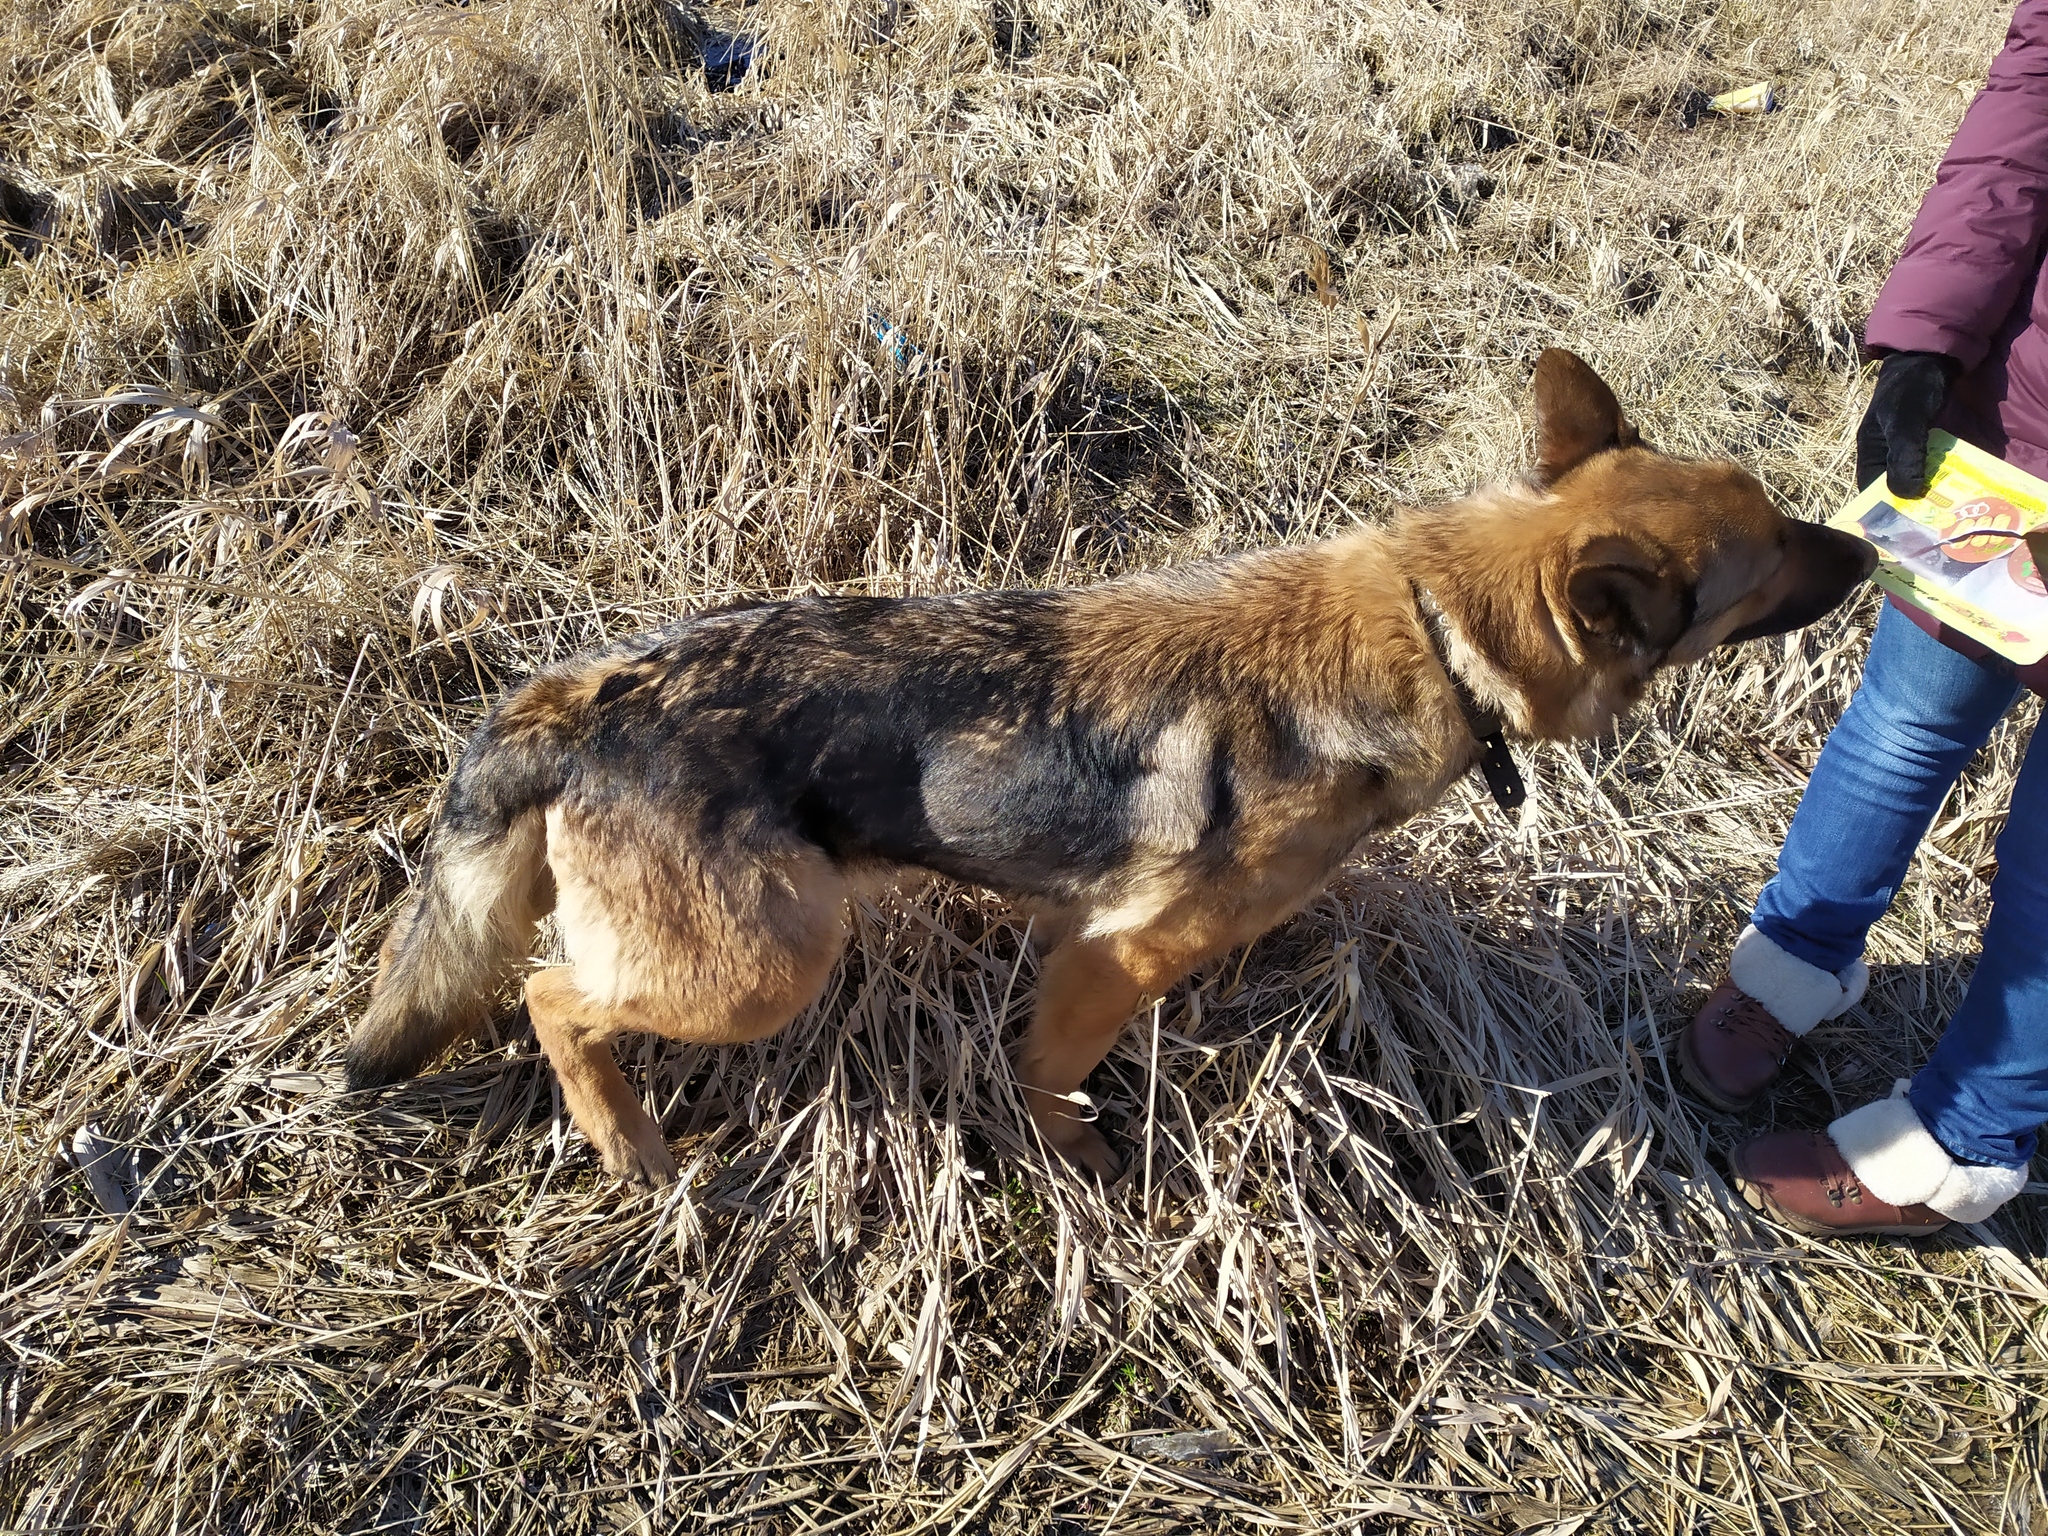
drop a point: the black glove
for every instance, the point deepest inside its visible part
(1892, 441)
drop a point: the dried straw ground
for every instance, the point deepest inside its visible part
(357, 357)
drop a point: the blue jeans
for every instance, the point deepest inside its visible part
(1920, 715)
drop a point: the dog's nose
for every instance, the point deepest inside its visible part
(1864, 554)
(1849, 558)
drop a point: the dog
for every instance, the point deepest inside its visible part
(1158, 768)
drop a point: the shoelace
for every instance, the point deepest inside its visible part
(1841, 1184)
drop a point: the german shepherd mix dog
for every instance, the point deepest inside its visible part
(1159, 768)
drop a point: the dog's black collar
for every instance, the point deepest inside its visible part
(1496, 762)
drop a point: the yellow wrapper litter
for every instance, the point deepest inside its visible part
(1748, 98)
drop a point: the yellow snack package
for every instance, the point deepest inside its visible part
(1966, 551)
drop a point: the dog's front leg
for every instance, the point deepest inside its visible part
(1088, 990)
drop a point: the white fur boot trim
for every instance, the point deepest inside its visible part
(1894, 1157)
(1798, 995)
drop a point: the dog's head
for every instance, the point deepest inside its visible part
(1646, 561)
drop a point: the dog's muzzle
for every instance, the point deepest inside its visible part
(1826, 565)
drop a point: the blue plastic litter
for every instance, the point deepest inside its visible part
(899, 347)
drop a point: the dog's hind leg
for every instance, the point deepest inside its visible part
(577, 1034)
(577, 1030)
(711, 947)
(1087, 992)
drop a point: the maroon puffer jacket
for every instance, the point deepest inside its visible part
(1971, 281)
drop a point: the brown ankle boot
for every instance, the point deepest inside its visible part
(1733, 1049)
(1802, 1179)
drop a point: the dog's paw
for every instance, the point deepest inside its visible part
(639, 1157)
(1087, 1148)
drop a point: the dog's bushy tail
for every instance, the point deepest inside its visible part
(484, 885)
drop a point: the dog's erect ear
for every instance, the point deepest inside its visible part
(1577, 415)
(1619, 596)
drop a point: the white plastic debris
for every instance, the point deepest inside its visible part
(100, 1162)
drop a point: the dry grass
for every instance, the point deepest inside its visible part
(356, 358)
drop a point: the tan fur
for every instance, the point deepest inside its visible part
(661, 942)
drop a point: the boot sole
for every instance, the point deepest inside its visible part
(1757, 1198)
(1696, 1079)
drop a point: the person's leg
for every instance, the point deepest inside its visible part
(1960, 1138)
(1920, 715)
(1985, 1089)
